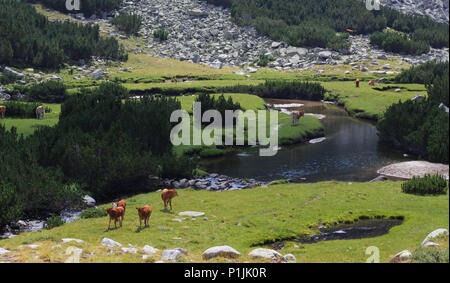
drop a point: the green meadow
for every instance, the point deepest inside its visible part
(245, 220)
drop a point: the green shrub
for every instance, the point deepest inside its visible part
(54, 221)
(50, 92)
(263, 60)
(93, 212)
(29, 39)
(430, 255)
(427, 185)
(282, 89)
(394, 42)
(421, 127)
(199, 173)
(424, 73)
(22, 110)
(161, 33)
(211, 152)
(10, 204)
(128, 23)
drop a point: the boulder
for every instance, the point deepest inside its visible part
(290, 258)
(436, 233)
(89, 201)
(325, 54)
(110, 243)
(220, 251)
(97, 74)
(268, 254)
(3, 251)
(197, 13)
(149, 249)
(171, 255)
(401, 256)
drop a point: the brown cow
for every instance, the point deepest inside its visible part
(351, 31)
(372, 83)
(144, 214)
(2, 111)
(167, 196)
(121, 203)
(40, 112)
(357, 82)
(296, 115)
(115, 213)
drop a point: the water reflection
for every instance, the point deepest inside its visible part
(351, 152)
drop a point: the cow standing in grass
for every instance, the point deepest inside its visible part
(123, 204)
(296, 115)
(2, 111)
(40, 112)
(117, 214)
(167, 196)
(144, 214)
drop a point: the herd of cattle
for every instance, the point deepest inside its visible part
(40, 112)
(117, 212)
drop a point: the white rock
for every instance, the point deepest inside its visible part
(171, 255)
(402, 256)
(3, 251)
(220, 251)
(89, 201)
(430, 244)
(110, 243)
(436, 233)
(319, 140)
(290, 258)
(97, 74)
(33, 247)
(191, 213)
(261, 253)
(68, 240)
(149, 249)
(129, 250)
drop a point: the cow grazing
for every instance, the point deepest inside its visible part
(167, 196)
(144, 214)
(296, 115)
(351, 31)
(40, 112)
(2, 111)
(372, 83)
(115, 213)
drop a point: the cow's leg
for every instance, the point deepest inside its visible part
(170, 201)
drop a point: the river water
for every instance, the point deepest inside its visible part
(350, 152)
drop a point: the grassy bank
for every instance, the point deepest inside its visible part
(249, 217)
(370, 102)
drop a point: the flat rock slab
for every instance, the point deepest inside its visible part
(110, 243)
(409, 169)
(68, 240)
(171, 255)
(191, 213)
(319, 140)
(268, 254)
(220, 251)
